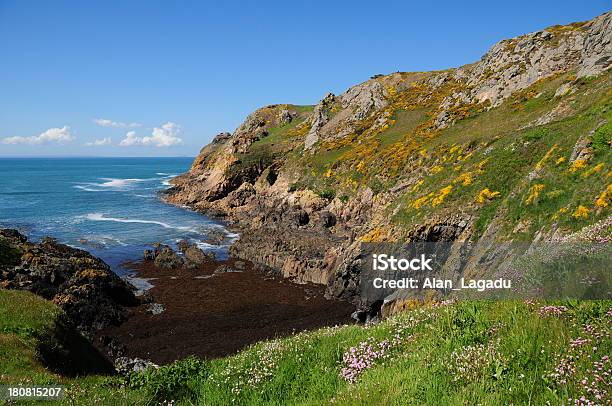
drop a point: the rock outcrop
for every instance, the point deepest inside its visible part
(91, 294)
(164, 257)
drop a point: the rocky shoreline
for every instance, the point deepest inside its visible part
(197, 305)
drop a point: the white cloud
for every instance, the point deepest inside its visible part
(115, 124)
(99, 143)
(165, 136)
(130, 139)
(57, 135)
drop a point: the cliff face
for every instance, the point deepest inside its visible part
(513, 147)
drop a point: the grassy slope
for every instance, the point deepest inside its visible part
(27, 322)
(465, 353)
(495, 149)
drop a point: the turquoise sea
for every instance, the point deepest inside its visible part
(108, 206)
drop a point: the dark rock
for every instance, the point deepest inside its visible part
(296, 217)
(92, 296)
(12, 234)
(196, 256)
(148, 255)
(241, 196)
(166, 258)
(114, 347)
(327, 219)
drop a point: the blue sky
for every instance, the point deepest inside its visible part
(165, 76)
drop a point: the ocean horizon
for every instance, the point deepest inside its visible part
(109, 206)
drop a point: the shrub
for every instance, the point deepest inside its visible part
(602, 139)
(327, 193)
(170, 382)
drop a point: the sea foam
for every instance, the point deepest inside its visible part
(102, 217)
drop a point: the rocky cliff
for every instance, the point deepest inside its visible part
(514, 147)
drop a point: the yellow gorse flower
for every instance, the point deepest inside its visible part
(577, 165)
(441, 196)
(436, 169)
(546, 157)
(603, 200)
(465, 179)
(534, 193)
(485, 195)
(595, 169)
(581, 213)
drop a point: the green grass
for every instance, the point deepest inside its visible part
(405, 123)
(275, 145)
(28, 328)
(513, 154)
(489, 353)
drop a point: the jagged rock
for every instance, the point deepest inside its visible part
(320, 116)
(565, 89)
(597, 51)
(327, 219)
(91, 294)
(287, 227)
(126, 366)
(114, 348)
(221, 138)
(515, 64)
(240, 196)
(364, 98)
(166, 258)
(297, 217)
(285, 116)
(582, 149)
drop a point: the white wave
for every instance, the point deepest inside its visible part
(204, 246)
(166, 182)
(102, 217)
(119, 183)
(88, 189)
(161, 173)
(109, 184)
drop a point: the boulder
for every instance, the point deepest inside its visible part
(166, 258)
(195, 256)
(126, 365)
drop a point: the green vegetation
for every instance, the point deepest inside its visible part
(278, 140)
(9, 255)
(33, 334)
(463, 353)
